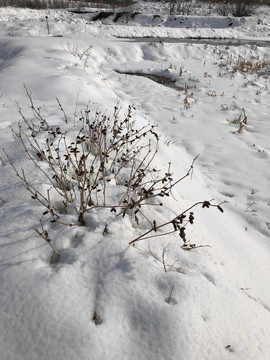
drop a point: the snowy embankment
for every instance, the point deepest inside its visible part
(105, 299)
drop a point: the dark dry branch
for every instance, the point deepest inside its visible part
(63, 111)
(80, 166)
(170, 296)
(179, 223)
(37, 195)
(45, 236)
(42, 122)
(103, 149)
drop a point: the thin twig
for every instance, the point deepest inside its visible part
(170, 296)
(155, 228)
(162, 260)
(45, 236)
(63, 111)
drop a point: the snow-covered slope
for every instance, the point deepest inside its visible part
(106, 299)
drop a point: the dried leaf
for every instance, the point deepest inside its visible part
(220, 208)
(206, 204)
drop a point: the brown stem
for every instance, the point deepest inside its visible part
(155, 228)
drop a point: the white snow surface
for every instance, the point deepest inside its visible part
(214, 302)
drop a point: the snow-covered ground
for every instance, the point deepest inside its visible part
(105, 299)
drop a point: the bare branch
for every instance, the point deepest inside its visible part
(172, 221)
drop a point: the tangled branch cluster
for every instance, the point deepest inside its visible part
(82, 168)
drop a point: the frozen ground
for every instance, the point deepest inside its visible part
(105, 299)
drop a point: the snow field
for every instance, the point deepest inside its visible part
(105, 299)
